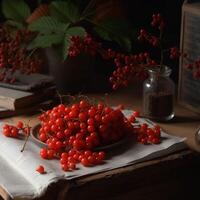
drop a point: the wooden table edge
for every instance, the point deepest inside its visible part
(110, 173)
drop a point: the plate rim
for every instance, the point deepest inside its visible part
(35, 131)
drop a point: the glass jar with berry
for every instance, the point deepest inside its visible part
(158, 94)
(158, 88)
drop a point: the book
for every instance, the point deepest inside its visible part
(16, 99)
(4, 112)
(31, 82)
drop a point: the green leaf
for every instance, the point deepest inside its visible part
(115, 29)
(125, 43)
(76, 31)
(115, 24)
(47, 24)
(43, 41)
(65, 47)
(103, 34)
(65, 11)
(17, 11)
(15, 24)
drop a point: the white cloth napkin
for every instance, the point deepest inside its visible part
(19, 178)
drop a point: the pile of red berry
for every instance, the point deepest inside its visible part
(15, 56)
(72, 133)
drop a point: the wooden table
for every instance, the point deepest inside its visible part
(168, 177)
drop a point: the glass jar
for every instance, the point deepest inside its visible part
(158, 94)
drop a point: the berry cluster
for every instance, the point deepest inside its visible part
(157, 21)
(174, 53)
(132, 118)
(10, 131)
(73, 132)
(147, 135)
(195, 66)
(157, 40)
(14, 131)
(86, 158)
(86, 45)
(127, 67)
(14, 56)
(144, 35)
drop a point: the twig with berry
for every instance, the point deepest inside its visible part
(15, 131)
(156, 41)
(14, 55)
(128, 68)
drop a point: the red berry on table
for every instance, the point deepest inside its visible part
(85, 162)
(73, 139)
(136, 113)
(131, 119)
(41, 169)
(6, 130)
(27, 130)
(72, 165)
(43, 153)
(144, 140)
(144, 127)
(14, 132)
(20, 125)
(149, 131)
(65, 167)
(101, 155)
(155, 140)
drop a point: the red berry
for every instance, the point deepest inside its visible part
(40, 169)
(43, 153)
(20, 125)
(136, 113)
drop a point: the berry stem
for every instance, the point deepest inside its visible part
(26, 139)
(161, 51)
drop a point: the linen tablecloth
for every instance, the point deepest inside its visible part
(18, 175)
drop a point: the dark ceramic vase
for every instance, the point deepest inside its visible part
(75, 75)
(78, 75)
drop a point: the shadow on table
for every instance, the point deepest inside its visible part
(184, 119)
(121, 147)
